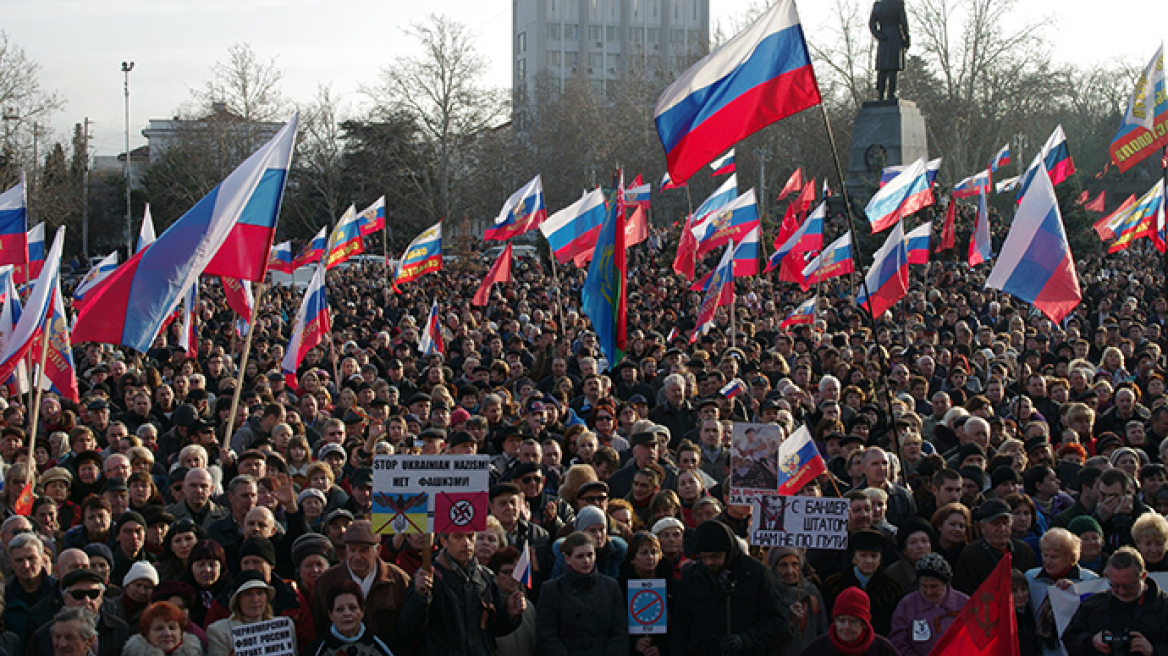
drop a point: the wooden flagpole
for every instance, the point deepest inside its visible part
(259, 293)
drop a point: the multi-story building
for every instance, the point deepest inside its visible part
(596, 39)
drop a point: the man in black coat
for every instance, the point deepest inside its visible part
(458, 610)
(1133, 611)
(83, 588)
(727, 602)
(978, 560)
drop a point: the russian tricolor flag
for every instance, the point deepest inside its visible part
(887, 279)
(733, 389)
(745, 260)
(422, 256)
(889, 173)
(280, 259)
(725, 194)
(146, 233)
(834, 261)
(637, 195)
(799, 462)
(1055, 157)
(1139, 220)
(43, 317)
(431, 342)
(808, 238)
(724, 164)
(345, 240)
(522, 212)
(729, 224)
(802, 315)
(311, 325)
(667, 183)
(574, 229)
(313, 251)
(94, 276)
(36, 255)
(522, 571)
(918, 244)
(719, 292)
(907, 193)
(1105, 227)
(1001, 159)
(979, 183)
(14, 226)
(980, 247)
(760, 76)
(372, 218)
(131, 304)
(189, 338)
(1035, 263)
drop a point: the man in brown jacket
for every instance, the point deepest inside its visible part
(384, 585)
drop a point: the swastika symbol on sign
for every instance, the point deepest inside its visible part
(462, 512)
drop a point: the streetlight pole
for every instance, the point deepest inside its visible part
(126, 68)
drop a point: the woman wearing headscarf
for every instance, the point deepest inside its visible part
(851, 632)
(921, 618)
(806, 611)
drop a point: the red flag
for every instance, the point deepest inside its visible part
(687, 248)
(794, 183)
(23, 505)
(796, 213)
(238, 296)
(637, 227)
(1097, 204)
(500, 271)
(947, 229)
(1082, 199)
(986, 625)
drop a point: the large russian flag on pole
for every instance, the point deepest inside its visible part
(345, 240)
(889, 173)
(1035, 262)
(799, 462)
(574, 229)
(313, 251)
(887, 279)
(1144, 127)
(907, 193)
(131, 304)
(14, 226)
(311, 325)
(44, 316)
(759, 77)
(523, 211)
(423, 255)
(980, 246)
(372, 218)
(1055, 157)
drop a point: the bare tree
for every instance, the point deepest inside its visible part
(247, 87)
(23, 102)
(442, 91)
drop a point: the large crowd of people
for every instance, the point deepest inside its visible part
(961, 427)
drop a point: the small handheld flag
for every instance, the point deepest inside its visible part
(522, 572)
(802, 315)
(311, 326)
(918, 243)
(733, 389)
(431, 342)
(799, 462)
(980, 247)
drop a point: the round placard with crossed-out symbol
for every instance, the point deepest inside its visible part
(462, 512)
(646, 607)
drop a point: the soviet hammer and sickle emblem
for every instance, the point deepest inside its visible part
(985, 613)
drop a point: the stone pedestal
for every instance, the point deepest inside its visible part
(886, 133)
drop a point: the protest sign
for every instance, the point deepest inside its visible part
(811, 522)
(647, 612)
(754, 461)
(430, 494)
(274, 637)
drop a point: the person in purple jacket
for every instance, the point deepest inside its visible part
(921, 618)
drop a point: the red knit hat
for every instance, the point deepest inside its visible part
(853, 602)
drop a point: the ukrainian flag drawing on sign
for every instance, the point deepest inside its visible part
(400, 513)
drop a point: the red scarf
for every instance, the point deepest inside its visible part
(853, 648)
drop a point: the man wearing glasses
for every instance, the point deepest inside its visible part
(83, 589)
(1129, 619)
(548, 510)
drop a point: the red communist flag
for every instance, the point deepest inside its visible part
(986, 625)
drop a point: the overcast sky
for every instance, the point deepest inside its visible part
(80, 44)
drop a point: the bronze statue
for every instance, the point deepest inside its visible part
(889, 25)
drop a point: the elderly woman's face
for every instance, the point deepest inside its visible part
(1057, 557)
